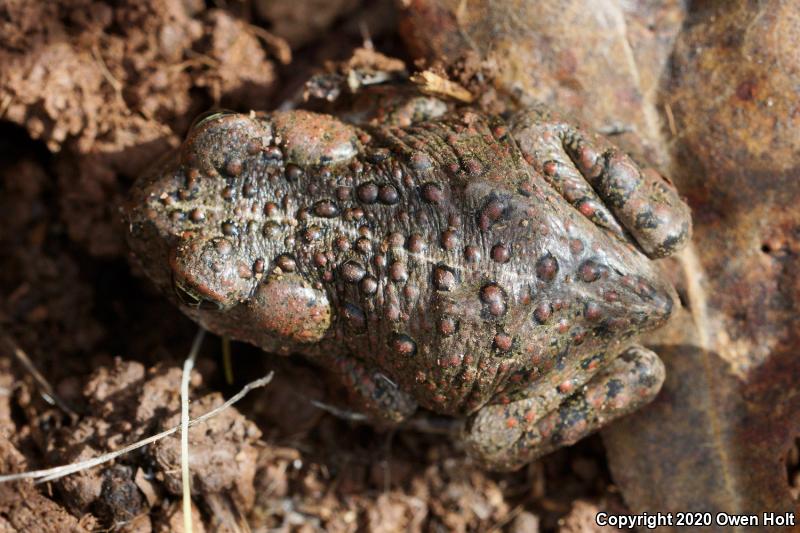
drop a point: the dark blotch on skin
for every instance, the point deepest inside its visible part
(342, 243)
(271, 209)
(378, 155)
(286, 263)
(590, 271)
(273, 153)
(546, 268)
(354, 317)
(352, 271)
(592, 311)
(272, 230)
(494, 298)
(495, 209)
(503, 342)
(311, 234)
(293, 172)
(473, 167)
(472, 254)
(387, 194)
(364, 245)
(448, 326)
(403, 345)
(587, 362)
(343, 193)
(367, 193)
(421, 161)
(501, 253)
(326, 209)
(614, 387)
(415, 243)
(449, 239)
(229, 228)
(543, 312)
(444, 278)
(646, 220)
(233, 167)
(224, 247)
(432, 193)
(368, 285)
(398, 272)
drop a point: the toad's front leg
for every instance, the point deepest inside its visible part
(507, 436)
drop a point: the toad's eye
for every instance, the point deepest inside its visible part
(208, 116)
(191, 298)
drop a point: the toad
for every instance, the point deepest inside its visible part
(497, 269)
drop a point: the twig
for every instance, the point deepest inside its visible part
(227, 365)
(435, 85)
(498, 527)
(279, 46)
(203, 59)
(673, 129)
(188, 365)
(45, 389)
(353, 416)
(114, 82)
(366, 38)
(50, 474)
(422, 423)
(5, 103)
(434, 425)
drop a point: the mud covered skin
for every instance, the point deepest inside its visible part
(471, 265)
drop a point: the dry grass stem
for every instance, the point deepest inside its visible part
(188, 365)
(45, 389)
(50, 474)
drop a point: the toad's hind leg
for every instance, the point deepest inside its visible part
(505, 437)
(598, 179)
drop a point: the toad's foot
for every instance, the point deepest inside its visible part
(372, 392)
(505, 437)
(603, 183)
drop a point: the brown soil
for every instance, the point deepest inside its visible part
(89, 95)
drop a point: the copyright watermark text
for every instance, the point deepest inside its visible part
(694, 520)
